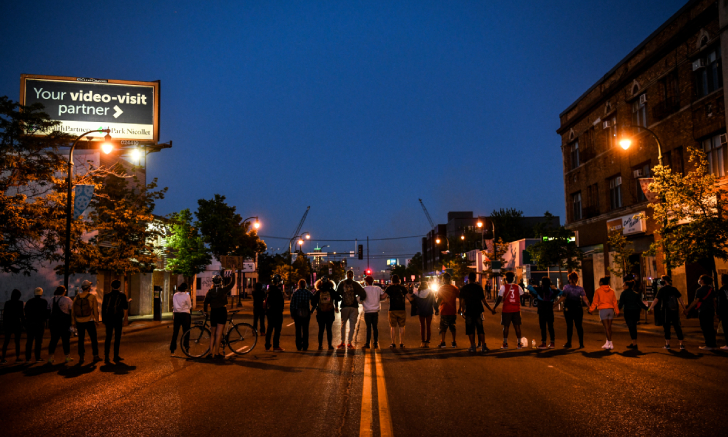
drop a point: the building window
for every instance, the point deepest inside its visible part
(641, 171)
(198, 284)
(716, 152)
(674, 158)
(576, 204)
(639, 111)
(615, 192)
(612, 133)
(592, 201)
(708, 77)
(574, 149)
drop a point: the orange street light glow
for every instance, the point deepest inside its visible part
(625, 143)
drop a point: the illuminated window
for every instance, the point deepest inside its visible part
(639, 112)
(715, 151)
(615, 192)
(708, 77)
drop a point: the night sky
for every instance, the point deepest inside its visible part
(354, 108)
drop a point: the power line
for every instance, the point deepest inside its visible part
(355, 239)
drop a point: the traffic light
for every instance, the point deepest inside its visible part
(361, 251)
(368, 272)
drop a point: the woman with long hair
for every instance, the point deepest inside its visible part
(324, 301)
(605, 300)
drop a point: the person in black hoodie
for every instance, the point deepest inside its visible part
(36, 314)
(631, 301)
(13, 321)
(669, 300)
(274, 312)
(112, 314)
(705, 303)
(259, 307)
(723, 307)
(60, 324)
(545, 295)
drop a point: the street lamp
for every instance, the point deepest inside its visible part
(106, 147)
(300, 243)
(241, 280)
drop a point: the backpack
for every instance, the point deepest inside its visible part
(81, 307)
(325, 302)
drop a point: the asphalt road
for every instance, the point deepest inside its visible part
(400, 392)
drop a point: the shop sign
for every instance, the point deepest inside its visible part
(628, 224)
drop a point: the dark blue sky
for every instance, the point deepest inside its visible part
(354, 108)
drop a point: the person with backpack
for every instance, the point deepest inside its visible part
(274, 312)
(349, 290)
(605, 300)
(371, 310)
(472, 299)
(669, 300)
(259, 307)
(181, 306)
(301, 314)
(631, 302)
(705, 303)
(85, 317)
(60, 324)
(572, 296)
(510, 294)
(217, 299)
(544, 297)
(13, 321)
(397, 310)
(324, 301)
(36, 314)
(424, 300)
(112, 314)
(447, 296)
(723, 307)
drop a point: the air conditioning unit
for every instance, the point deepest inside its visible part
(606, 124)
(637, 173)
(643, 99)
(618, 180)
(723, 139)
(698, 64)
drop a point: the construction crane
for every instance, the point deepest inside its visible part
(300, 224)
(429, 219)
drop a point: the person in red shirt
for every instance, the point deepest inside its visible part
(510, 295)
(446, 298)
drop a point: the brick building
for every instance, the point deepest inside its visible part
(671, 84)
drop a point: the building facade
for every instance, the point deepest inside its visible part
(671, 85)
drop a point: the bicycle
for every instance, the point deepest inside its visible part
(241, 338)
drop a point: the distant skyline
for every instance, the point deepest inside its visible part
(356, 109)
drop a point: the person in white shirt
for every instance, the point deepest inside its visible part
(371, 310)
(182, 305)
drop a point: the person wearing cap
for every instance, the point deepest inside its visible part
(274, 313)
(36, 314)
(85, 317)
(217, 298)
(181, 306)
(112, 314)
(60, 324)
(13, 321)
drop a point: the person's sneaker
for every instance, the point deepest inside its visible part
(542, 346)
(519, 346)
(631, 346)
(321, 348)
(552, 345)
(376, 345)
(667, 346)
(118, 358)
(3, 362)
(705, 348)
(51, 360)
(267, 347)
(567, 345)
(442, 345)
(68, 359)
(426, 344)
(341, 346)
(401, 346)
(392, 346)
(96, 358)
(454, 344)
(484, 348)
(605, 345)
(682, 347)
(19, 361)
(724, 348)
(422, 344)
(108, 361)
(472, 349)
(350, 346)
(171, 354)
(331, 347)
(581, 346)
(505, 345)
(366, 346)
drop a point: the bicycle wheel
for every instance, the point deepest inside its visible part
(195, 342)
(242, 338)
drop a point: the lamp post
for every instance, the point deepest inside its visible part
(241, 280)
(300, 243)
(106, 147)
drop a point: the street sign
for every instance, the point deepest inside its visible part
(129, 108)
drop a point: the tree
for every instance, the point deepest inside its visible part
(508, 224)
(460, 269)
(188, 255)
(619, 245)
(414, 267)
(694, 217)
(224, 232)
(556, 247)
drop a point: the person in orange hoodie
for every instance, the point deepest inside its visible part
(606, 302)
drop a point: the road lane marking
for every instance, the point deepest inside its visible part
(385, 418)
(290, 324)
(365, 427)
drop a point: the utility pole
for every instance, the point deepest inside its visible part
(367, 252)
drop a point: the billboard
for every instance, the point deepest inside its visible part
(130, 109)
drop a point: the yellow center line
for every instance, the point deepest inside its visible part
(385, 419)
(365, 428)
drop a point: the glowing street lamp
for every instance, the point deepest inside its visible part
(626, 142)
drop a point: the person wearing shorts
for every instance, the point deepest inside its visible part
(605, 300)
(397, 311)
(446, 298)
(510, 294)
(216, 298)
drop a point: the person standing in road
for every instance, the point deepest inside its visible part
(426, 304)
(112, 314)
(669, 299)
(510, 294)
(60, 324)
(447, 296)
(181, 307)
(274, 313)
(472, 296)
(544, 296)
(324, 301)
(217, 299)
(705, 303)
(723, 307)
(13, 321)
(349, 290)
(371, 310)
(605, 300)
(397, 311)
(301, 314)
(259, 307)
(573, 296)
(85, 317)
(36, 314)
(632, 305)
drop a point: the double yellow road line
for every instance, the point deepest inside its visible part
(366, 427)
